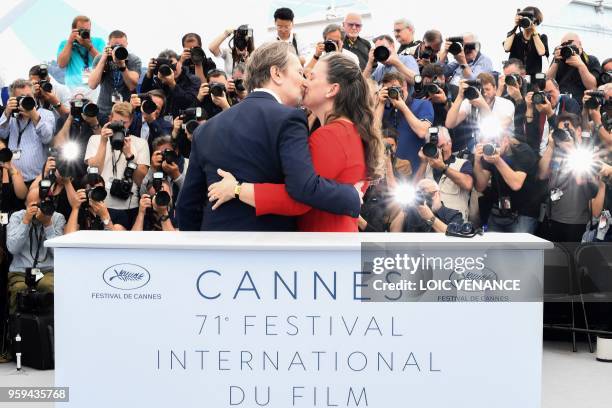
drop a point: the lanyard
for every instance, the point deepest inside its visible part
(84, 57)
(114, 162)
(20, 131)
(38, 234)
(117, 78)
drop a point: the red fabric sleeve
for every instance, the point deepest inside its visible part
(328, 158)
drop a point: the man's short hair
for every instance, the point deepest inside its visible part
(432, 70)
(284, 13)
(393, 76)
(263, 59)
(123, 109)
(332, 28)
(390, 133)
(241, 66)
(515, 61)
(80, 19)
(19, 84)
(383, 37)
(554, 82)
(35, 70)
(158, 93)
(169, 54)
(215, 73)
(606, 62)
(405, 22)
(160, 141)
(486, 78)
(569, 117)
(117, 34)
(189, 36)
(431, 36)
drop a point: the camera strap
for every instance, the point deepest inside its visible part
(84, 56)
(20, 131)
(114, 162)
(38, 235)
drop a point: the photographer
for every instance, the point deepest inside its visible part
(353, 42)
(427, 51)
(49, 93)
(441, 95)
(58, 189)
(510, 166)
(238, 78)
(283, 20)
(194, 59)
(27, 128)
(484, 105)
(469, 61)
(14, 189)
(332, 42)
(541, 113)
(572, 183)
(410, 117)
(149, 125)
(511, 85)
(597, 107)
(599, 228)
(179, 86)
(77, 53)
(213, 96)
(426, 213)
(242, 46)
(154, 208)
(123, 161)
(404, 35)
(166, 159)
(26, 234)
(528, 46)
(453, 175)
(116, 71)
(574, 70)
(89, 211)
(404, 64)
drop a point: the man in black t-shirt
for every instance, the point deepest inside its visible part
(576, 73)
(511, 168)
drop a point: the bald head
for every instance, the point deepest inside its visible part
(427, 185)
(574, 38)
(352, 25)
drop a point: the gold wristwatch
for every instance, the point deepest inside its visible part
(237, 190)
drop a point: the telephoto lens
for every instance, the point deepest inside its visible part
(6, 155)
(97, 194)
(161, 198)
(191, 126)
(169, 156)
(512, 79)
(197, 55)
(239, 84)
(473, 90)
(26, 102)
(330, 46)
(165, 70)
(90, 109)
(120, 52)
(456, 45)
(489, 149)
(381, 53)
(217, 89)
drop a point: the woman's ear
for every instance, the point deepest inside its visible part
(333, 91)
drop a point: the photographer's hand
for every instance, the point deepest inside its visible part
(99, 208)
(76, 200)
(399, 104)
(515, 92)
(574, 61)
(156, 160)
(127, 147)
(460, 58)
(30, 213)
(151, 68)
(222, 191)
(383, 95)
(11, 106)
(185, 55)
(135, 101)
(438, 98)
(437, 163)
(221, 101)
(203, 91)
(320, 49)
(231, 86)
(425, 212)
(145, 202)
(171, 169)
(49, 165)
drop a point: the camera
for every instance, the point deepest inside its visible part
(489, 149)
(242, 35)
(430, 149)
(562, 135)
(46, 204)
(30, 300)
(169, 156)
(190, 114)
(217, 89)
(239, 84)
(605, 77)
(46, 86)
(473, 90)
(568, 50)
(117, 140)
(84, 33)
(78, 106)
(191, 126)
(539, 98)
(122, 189)
(197, 55)
(512, 79)
(428, 54)
(163, 66)
(6, 155)
(540, 81)
(381, 53)
(330, 46)
(26, 103)
(431, 88)
(456, 45)
(147, 105)
(395, 92)
(389, 149)
(97, 194)
(526, 19)
(120, 52)
(161, 198)
(597, 99)
(423, 198)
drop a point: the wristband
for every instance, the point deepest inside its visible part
(164, 218)
(315, 57)
(122, 69)
(132, 157)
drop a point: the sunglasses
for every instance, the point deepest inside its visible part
(354, 25)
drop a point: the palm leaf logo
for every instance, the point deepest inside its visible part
(126, 276)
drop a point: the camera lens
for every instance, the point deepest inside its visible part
(455, 48)
(471, 93)
(6, 155)
(191, 126)
(90, 109)
(524, 22)
(239, 84)
(46, 86)
(85, 34)
(28, 103)
(431, 150)
(148, 106)
(169, 156)
(162, 199)
(330, 46)
(197, 55)
(165, 70)
(566, 52)
(561, 135)
(46, 207)
(394, 93)
(539, 98)
(217, 89)
(605, 77)
(488, 149)
(120, 52)
(97, 194)
(431, 89)
(510, 80)
(381, 53)
(118, 138)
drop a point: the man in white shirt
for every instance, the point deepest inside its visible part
(283, 19)
(332, 38)
(106, 152)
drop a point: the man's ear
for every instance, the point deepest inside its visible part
(275, 75)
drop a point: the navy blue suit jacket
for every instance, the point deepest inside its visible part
(259, 141)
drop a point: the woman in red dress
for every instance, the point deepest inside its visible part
(347, 147)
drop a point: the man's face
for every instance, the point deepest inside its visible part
(352, 26)
(435, 45)
(512, 69)
(126, 120)
(35, 80)
(237, 74)
(336, 37)
(488, 92)
(159, 102)
(390, 141)
(283, 28)
(291, 82)
(83, 25)
(25, 91)
(446, 147)
(122, 41)
(403, 35)
(218, 80)
(471, 55)
(191, 42)
(553, 92)
(165, 146)
(608, 66)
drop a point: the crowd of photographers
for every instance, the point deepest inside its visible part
(522, 150)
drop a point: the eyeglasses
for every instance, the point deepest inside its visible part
(354, 25)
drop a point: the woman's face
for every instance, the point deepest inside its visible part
(316, 87)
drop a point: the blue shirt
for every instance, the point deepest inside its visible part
(408, 143)
(482, 63)
(79, 60)
(382, 69)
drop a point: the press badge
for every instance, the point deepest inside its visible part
(37, 274)
(116, 98)
(604, 225)
(85, 76)
(556, 194)
(17, 154)
(4, 218)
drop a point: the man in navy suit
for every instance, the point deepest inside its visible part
(263, 139)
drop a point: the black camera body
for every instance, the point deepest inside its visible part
(117, 140)
(429, 54)
(169, 156)
(526, 19)
(395, 92)
(568, 49)
(513, 80)
(239, 84)
(46, 204)
(190, 114)
(217, 89)
(381, 53)
(122, 188)
(539, 98)
(430, 149)
(330, 46)
(597, 99)
(163, 66)
(84, 33)
(27, 103)
(6, 155)
(473, 90)
(456, 45)
(197, 55)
